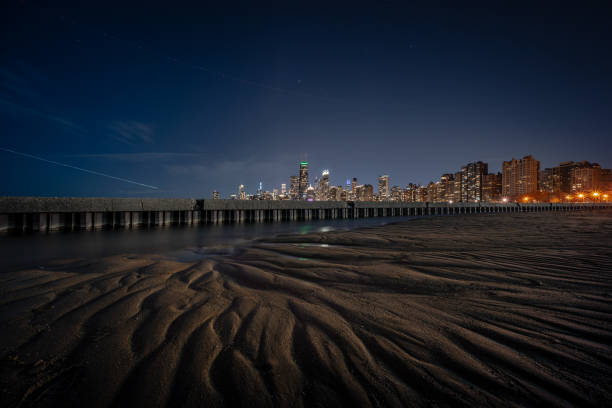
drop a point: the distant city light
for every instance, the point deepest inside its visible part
(472, 184)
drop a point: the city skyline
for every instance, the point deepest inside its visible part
(522, 178)
(193, 105)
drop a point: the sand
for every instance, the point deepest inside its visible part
(498, 310)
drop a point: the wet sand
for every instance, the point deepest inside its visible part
(498, 310)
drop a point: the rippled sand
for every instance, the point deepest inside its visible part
(503, 310)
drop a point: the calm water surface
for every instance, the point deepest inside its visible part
(179, 242)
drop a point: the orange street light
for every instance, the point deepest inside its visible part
(568, 197)
(595, 194)
(581, 195)
(505, 200)
(526, 199)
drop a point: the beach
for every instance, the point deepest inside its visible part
(491, 309)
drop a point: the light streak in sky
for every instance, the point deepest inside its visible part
(77, 168)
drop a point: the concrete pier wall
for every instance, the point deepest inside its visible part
(52, 214)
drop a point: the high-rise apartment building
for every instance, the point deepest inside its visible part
(585, 177)
(421, 194)
(241, 192)
(491, 187)
(432, 192)
(520, 177)
(353, 194)
(550, 180)
(383, 187)
(303, 181)
(457, 188)
(565, 176)
(472, 181)
(606, 181)
(283, 189)
(445, 188)
(396, 193)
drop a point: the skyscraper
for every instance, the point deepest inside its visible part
(367, 192)
(550, 180)
(303, 180)
(383, 187)
(491, 187)
(323, 189)
(445, 188)
(520, 177)
(283, 189)
(585, 177)
(353, 194)
(457, 187)
(294, 187)
(241, 192)
(215, 195)
(471, 181)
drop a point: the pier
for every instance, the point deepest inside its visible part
(54, 214)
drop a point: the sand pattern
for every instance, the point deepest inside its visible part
(498, 310)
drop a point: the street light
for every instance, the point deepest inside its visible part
(505, 200)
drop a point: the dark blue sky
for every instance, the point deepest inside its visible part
(192, 99)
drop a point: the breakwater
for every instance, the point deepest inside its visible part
(53, 214)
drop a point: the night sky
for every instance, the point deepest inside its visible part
(191, 99)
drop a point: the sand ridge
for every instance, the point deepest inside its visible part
(502, 310)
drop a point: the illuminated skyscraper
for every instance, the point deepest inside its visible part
(241, 192)
(353, 195)
(445, 188)
(294, 187)
(215, 195)
(472, 180)
(396, 193)
(383, 187)
(283, 189)
(585, 177)
(520, 177)
(491, 188)
(303, 180)
(323, 187)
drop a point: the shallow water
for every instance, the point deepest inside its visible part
(185, 243)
